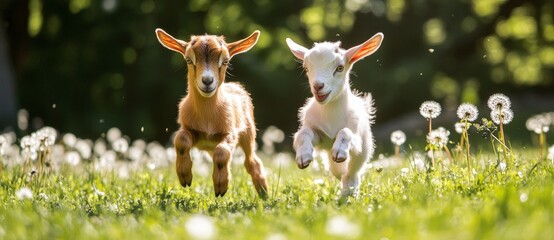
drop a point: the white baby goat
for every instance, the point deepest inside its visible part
(335, 112)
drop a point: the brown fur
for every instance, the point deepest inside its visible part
(217, 123)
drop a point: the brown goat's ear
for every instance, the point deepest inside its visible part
(297, 50)
(243, 45)
(365, 49)
(170, 42)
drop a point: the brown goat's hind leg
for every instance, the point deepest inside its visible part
(183, 143)
(254, 165)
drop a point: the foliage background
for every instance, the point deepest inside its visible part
(84, 66)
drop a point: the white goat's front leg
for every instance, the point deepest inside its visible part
(344, 142)
(304, 141)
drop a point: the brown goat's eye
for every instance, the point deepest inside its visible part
(188, 60)
(339, 68)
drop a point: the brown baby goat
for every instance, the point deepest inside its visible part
(214, 115)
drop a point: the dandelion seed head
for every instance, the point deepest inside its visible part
(404, 170)
(460, 127)
(84, 147)
(398, 137)
(523, 197)
(506, 114)
(340, 226)
(539, 123)
(438, 137)
(47, 135)
(319, 181)
(499, 101)
(3, 145)
(24, 193)
(419, 162)
(135, 153)
(200, 227)
(69, 139)
(467, 111)
(430, 109)
(120, 145)
(113, 134)
(502, 166)
(72, 158)
(99, 147)
(277, 236)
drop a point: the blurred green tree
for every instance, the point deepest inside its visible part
(84, 66)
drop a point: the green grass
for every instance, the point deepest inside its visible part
(446, 204)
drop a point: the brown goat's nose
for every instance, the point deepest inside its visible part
(318, 86)
(207, 80)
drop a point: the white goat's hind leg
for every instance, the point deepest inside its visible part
(350, 185)
(341, 147)
(351, 179)
(304, 146)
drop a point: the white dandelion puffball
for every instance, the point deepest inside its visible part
(72, 158)
(430, 109)
(467, 111)
(113, 134)
(24, 193)
(438, 137)
(398, 137)
(200, 227)
(460, 127)
(120, 145)
(507, 116)
(539, 123)
(340, 226)
(499, 101)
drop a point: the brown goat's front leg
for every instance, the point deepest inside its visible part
(221, 158)
(184, 140)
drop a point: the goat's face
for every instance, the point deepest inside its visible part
(326, 68)
(327, 65)
(207, 57)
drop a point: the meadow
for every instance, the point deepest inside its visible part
(63, 187)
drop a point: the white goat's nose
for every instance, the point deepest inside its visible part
(318, 86)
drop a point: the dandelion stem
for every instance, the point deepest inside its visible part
(542, 142)
(465, 136)
(430, 125)
(396, 151)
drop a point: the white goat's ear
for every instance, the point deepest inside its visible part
(170, 42)
(296, 49)
(243, 45)
(365, 49)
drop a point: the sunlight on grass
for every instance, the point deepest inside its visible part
(60, 186)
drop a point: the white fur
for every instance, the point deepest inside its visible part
(341, 122)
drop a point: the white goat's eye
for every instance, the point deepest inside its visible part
(188, 60)
(339, 68)
(225, 62)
